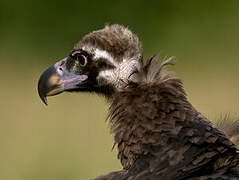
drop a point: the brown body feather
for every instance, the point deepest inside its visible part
(160, 135)
(230, 126)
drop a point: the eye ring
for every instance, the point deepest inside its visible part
(82, 59)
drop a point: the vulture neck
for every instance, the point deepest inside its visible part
(152, 120)
(142, 118)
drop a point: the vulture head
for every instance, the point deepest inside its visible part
(103, 61)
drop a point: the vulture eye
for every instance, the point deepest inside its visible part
(80, 58)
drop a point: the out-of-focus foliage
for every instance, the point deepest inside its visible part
(69, 139)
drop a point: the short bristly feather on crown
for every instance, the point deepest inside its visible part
(159, 134)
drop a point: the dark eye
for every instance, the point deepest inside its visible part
(81, 59)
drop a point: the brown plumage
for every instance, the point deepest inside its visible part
(159, 134)
(230, 126)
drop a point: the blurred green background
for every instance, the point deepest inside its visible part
(70, 139)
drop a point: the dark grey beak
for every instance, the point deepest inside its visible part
(56, 79)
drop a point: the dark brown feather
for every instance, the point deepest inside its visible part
(160, 135)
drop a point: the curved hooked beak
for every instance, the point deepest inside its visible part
(56, 79)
